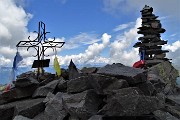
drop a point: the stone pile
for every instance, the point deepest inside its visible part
(112, 92)
(150, 43)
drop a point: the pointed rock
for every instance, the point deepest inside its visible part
(73, 71)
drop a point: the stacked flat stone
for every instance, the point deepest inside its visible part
(151, 43)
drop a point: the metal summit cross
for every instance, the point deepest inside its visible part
(40, 44)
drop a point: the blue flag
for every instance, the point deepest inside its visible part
(17, 59)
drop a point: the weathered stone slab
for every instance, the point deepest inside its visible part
(161, 115)
(20, 117)
(25, 81)
(96, 117)
(17, 93)
(78, 84)
(165, 71)
(89, 70)
(173, 110)
(44, 90)
(132, 75)
(28, 108)
(73, 118)
(173, 99)
(6, 112)
(54, 108)
(62, 85)
(73, 71)
(130, 102)
(101, 83)
(27, 74)
(49, 97)
(147, 88)
(82, 105)
(41, 116)
(46, 78)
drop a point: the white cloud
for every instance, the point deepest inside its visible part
(174, 47)
(13, 23)
(174, 52)
(173, 35)
(122, 26)
(121, 49)
(92, 53)
(4, 61)
(81, 39)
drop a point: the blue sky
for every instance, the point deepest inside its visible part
(95, 31)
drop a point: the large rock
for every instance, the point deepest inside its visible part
(82, 105)
(78, 84)
(73, 71)
(27, 74)
(25, 81)
(130, 102)
(162, 115)
(49, 97)
(6, 112)
(46, 78)
(62, 85)
(147, 88)
(89, 70)
(96, 117)
(44, 90)
(73, 118)
(27, 108)
(132, 75)
(54, 108)
(20, 117)
(41, 116)
(173, 110)
(17, 93)
(164, 71)
(101, 83)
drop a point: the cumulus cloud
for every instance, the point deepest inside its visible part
(174, 47)
(13, 22)
(92, 53)
(174, 52)
(4, 61)
(121, 49)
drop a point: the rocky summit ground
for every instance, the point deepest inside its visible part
(112, 92)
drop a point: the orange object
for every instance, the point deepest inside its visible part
(8, 87)
(139, 64)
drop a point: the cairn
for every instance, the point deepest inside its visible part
(150, 45)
